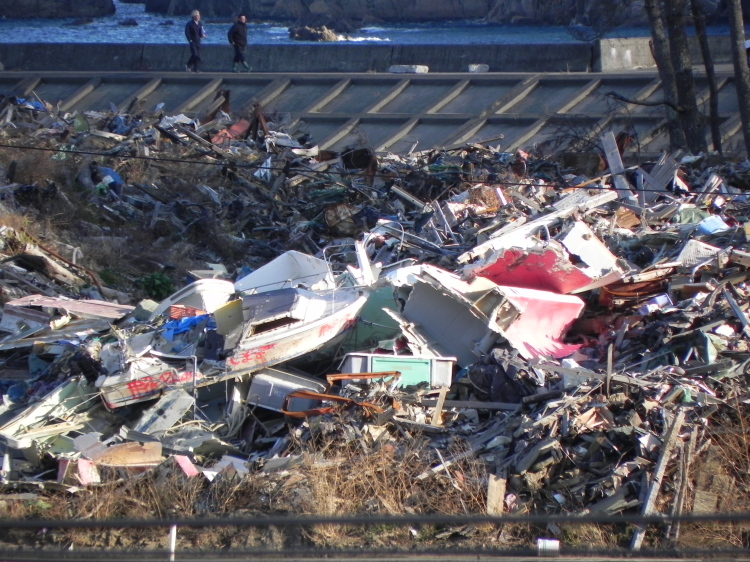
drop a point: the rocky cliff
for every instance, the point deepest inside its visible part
(353, 10)
(550, 12)
(56, 8)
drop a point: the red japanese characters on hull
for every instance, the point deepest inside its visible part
(146, 387)
(327, 329)
(255, 355)
(293, 344)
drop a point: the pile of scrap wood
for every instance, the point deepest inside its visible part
(581, 335)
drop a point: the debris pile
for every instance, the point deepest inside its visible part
(578, 334)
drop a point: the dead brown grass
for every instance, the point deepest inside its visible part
(339, 481)
(38, 166)
(722, 477)
(59, 209)
(17, 221)
(335, 480)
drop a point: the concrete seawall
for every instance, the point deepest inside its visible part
(602, 56)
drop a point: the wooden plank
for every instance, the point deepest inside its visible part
(614, 160)
(474, 445)
(475, 404)
(737, 312)
(529, 457)
(496, 494)
(688, 450)
(655, 485)
(209, 145)
(662, 174)
(130, 454)
(437, 414)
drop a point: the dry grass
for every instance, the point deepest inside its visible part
(340, 480)
(17, 221)
(58, 208)
(38, 166)
(724, 474)
(596, 537)
(345, 481)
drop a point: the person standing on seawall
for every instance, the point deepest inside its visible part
(194, 32)
(237, 36)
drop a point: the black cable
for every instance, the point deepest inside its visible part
(324, 173)
(364, 520)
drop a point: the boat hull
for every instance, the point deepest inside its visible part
(272, 348)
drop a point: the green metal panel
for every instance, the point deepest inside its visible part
(413, 370)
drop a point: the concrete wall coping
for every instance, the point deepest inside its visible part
(606, 55)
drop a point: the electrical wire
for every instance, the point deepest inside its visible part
(371, 519)
(326, 173)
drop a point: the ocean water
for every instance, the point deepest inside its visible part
(157, 28)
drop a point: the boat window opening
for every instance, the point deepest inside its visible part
(274, 324)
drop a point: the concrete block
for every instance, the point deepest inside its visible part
(408, 69)
(613, 55)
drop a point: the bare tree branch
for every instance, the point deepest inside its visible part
(668, 103)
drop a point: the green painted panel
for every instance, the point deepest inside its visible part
(413, 370)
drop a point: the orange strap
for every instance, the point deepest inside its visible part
(355, 376)
(310, 395)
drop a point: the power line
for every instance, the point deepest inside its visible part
(314, 173)
(365, 520)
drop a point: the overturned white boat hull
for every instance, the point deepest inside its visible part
(294, 340)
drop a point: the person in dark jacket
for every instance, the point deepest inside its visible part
(194, 32)
(237, 36)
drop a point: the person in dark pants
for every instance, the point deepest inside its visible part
(237, 36)
(194, 32)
